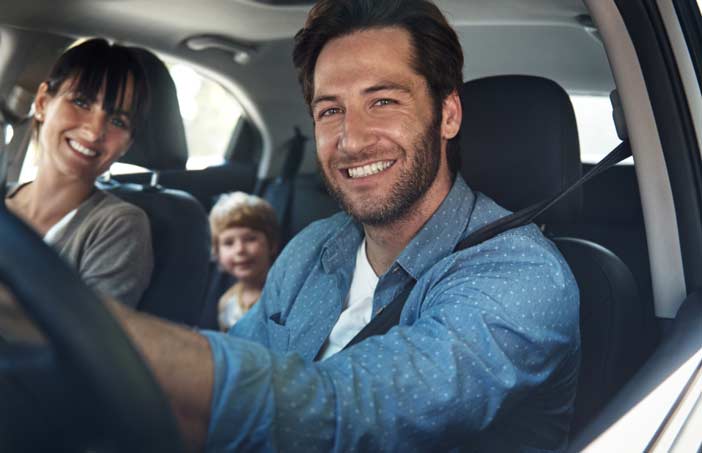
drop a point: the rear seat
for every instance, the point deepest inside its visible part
(309, 202)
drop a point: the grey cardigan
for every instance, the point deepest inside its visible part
(108, 242)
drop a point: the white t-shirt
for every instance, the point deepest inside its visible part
(358, 306)
(51, 235)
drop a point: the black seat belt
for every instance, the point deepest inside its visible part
(390, 315)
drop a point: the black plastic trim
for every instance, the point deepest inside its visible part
(691, 21)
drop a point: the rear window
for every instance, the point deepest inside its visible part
(210, 114)
(596, 130)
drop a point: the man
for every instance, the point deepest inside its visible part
(485, 355)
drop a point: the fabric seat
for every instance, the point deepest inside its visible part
(179, 226)
(519, 145)
(180, 239)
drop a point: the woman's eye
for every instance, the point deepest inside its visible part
(120, 123)
(81, 102)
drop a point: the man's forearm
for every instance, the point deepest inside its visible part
(182, 363)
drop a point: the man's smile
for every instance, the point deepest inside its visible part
(368, 169)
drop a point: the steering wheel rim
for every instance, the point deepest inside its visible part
(87, 337)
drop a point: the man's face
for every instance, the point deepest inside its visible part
(379, 144)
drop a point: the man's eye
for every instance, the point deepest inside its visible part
(384, 102)
(329, 112)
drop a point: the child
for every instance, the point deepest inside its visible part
(245, 239)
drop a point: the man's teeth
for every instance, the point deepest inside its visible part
(82, 149)
(368, 170)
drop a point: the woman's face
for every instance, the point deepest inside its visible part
(245, 253)
(78, 139)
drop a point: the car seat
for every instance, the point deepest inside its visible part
(179, 226)
(519, 145)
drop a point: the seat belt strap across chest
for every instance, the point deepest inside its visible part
(390, 315)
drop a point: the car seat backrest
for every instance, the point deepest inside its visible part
(181, 242)
(519, 145)
(160, 143)
(179, 226)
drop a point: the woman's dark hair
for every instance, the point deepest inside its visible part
(94, 62)
(437, 55)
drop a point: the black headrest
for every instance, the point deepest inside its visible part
(519, 143)
(159, 143)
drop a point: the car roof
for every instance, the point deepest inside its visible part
(549, 38)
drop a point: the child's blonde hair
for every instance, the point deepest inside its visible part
(239, 209)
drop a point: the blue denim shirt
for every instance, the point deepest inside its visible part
(484, 359)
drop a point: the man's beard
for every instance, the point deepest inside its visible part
(412, 184)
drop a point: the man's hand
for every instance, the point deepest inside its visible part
(15, 326)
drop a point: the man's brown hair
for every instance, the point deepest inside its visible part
(437, 55)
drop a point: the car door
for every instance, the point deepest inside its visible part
(654, 48)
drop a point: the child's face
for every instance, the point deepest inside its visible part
(245, 253)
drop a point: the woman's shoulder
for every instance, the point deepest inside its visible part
(106, 208)
(109, 203)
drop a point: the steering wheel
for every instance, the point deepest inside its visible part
(88, 340)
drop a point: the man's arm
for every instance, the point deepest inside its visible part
(182, 363)
(180, 359)
(15, 326)
(477, 338)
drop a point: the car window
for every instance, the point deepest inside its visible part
(210, 115)
(596, 130)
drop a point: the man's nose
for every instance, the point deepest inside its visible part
(357, 133)
(95, 125)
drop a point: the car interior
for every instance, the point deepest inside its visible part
(551, 87)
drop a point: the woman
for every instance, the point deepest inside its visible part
(86, 114)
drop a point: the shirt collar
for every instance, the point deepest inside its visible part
(437, 238)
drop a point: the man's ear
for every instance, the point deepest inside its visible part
(40, 101)
(452, 114)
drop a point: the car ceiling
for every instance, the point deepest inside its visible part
(550, 38)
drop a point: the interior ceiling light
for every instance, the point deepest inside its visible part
(241, 52)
